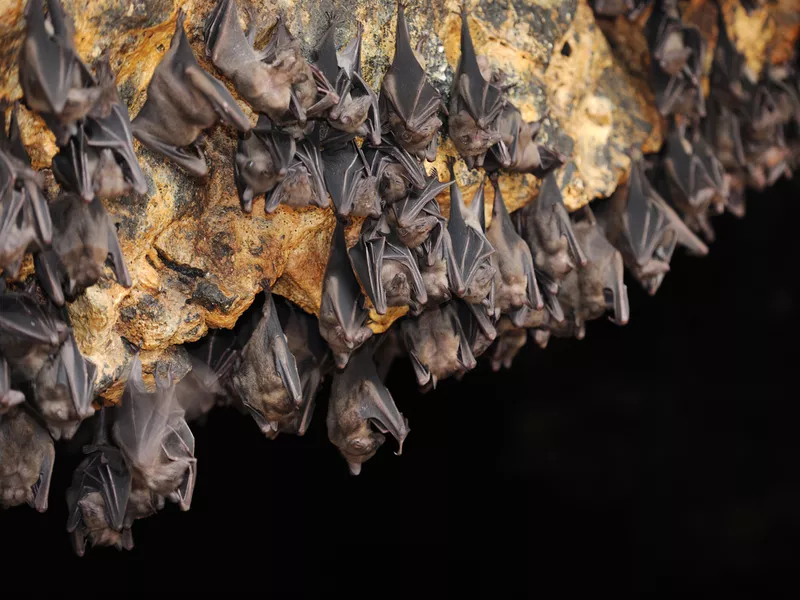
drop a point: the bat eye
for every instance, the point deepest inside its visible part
(250, 164)
(406, 136)
(465, 138)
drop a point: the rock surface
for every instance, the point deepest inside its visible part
(198, 262)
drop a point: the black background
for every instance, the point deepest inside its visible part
(656, 457)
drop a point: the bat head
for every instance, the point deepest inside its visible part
(469, 138)
(394, 184)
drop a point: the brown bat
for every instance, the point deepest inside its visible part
(477, 325)
(360, 404)
(416, 215)
(397, 171)
(409, 103)
(182, 101)
(510, 340)
(348, 178)
(27, 460)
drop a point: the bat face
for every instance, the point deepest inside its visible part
(361, 411)
(27, 465)
(8, 398)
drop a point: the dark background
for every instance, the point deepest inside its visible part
(656, 457)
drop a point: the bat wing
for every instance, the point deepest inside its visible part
(312, 160)
(71, 167)
(22, 316)
(226, 44)
(367, 260)
(342, 167)
(78, 375)
(49, 271)
(479, 331)
(396, 251)
(550, 208)
(178, 445)
(414, 171)
(408, 209)
(41, 489)
(120, 267)
(114, 132)
(325, 56)
(285, 363)
(280, 144)
(470, 245)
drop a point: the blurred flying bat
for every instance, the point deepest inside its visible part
(645, 229)
(353, 188)
(304, 184)
(342, 315)
(357, 112)
(396, 170)
(152, 433)
(510, 340)
(473, 275)
(415, 216)
(182, 101)
(519, 152)
(262, 161)
(475, 104)
(55, 82)
(64, 389)
(437, 345)
(409, 103)
(387, 269)
(99, 159)
(28, 457)
(266, 376)
(361, 411)
(514, 278)
(84, 238)
(9, 398)
(546, 227)
(97, 499)
(29, 334)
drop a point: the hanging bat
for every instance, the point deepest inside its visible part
(510, 340)
(398, 172)
(84, 238)
(17, 231)
(437, 345)
(473, 275)
(153, 435)
(357, 111)
(409, 103)
(353, 188)
(55, 82)
(475, 104)
(387, 269)
(182, 101)
(645, 229)
(99, 159)
(415, 216)
(436, 260)
(97, 499)
(361, 411)
(477, 325)
(731, 79)
(304, 184)
(9, 398)
(342, 315)
(266, 377)
(262, 161)
(64, 389)
(514, 277)
(28, 457)
(29, 334)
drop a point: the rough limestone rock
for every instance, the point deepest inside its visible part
(197, 262)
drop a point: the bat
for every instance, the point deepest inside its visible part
(387, 269)
(473, 275)
(29, 334)
(9, 398)
(357, 112)
(55, 82)
(99, 161)
(475, 104)
(731, 79)
(342, 315)
(304, 184)
(353, 188)
(396, 170)
(510, 340)
(614, 8)
(266, 376)
(28, 458)
(409, 103)
(435, 260)
(477, 325)
(17, 231)
(84, 238)
(361, 411)
(64, 389)
(98, 497)
(261, 161)
(182, 101)
(415, 216)
(514, 277)
(437, 345)
(546, 227)
(152, 433)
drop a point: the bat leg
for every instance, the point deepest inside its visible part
(194, 164)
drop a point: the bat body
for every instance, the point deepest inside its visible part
(409, 103)
(64, 389)
(266, 377)
(153, 435)
(29, 334)
(55, 82)
(477, 325)
(27, 461)
(397, 171)
(182, 101)
(361, 411)
(99, 160)
(342, 315)
(514, 278)
(519, 151)
(9, 398)
(475, 104)
(352, 186)
(416, 215)
(304, 183)
(510, 340)
(17, 231)
(437, 345)
(84, 238)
